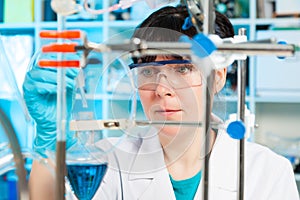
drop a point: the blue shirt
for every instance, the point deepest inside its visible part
(186, 189)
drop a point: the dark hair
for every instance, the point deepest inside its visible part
(166, 25)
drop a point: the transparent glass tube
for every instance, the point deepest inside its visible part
(61, 120)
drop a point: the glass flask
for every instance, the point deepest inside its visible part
(86, 166)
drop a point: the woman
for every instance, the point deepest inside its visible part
(166, 161)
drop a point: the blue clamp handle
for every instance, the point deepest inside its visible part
(281, 57)
(202, 46)
(236, 130)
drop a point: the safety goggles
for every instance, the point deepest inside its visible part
(177, 73)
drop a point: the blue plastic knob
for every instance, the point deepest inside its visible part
(281, 57)
(236, 130)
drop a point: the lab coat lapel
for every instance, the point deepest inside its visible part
(222, 170)
(223, 162)
(148, 175)
(160, 188)
(149, 157)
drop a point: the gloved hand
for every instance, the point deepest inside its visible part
(40, 95)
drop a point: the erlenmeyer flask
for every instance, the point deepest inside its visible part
(86, 166)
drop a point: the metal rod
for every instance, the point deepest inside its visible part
(169, 123)
(241, 116)
(60, 122)
(141, 47)
(60, 169)
(207, 136)
(196, 13)
(257, 49)
(208, 28)
(96, 125)
(154, 48)
(209, 19)
(214, 125)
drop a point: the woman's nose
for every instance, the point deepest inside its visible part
(163, 87)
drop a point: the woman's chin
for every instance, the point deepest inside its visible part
(168, 131)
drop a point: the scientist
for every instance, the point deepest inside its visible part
(166, 161)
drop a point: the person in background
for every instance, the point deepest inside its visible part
(165, 162)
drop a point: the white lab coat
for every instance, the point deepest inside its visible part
(144, 175)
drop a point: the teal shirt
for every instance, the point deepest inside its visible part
(186, 189)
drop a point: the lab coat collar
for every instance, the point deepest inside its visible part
(149, 159)
(222, 169)
(223, 162)
(148, 174)
(149, 165)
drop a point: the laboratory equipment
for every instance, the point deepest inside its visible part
(65, 7)
(85, 162)
(86, 166)
(85, 169)
(85, 179)
(138, 48)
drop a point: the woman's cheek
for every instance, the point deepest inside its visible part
(146, 98)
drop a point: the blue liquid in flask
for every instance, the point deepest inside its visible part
(85, 179)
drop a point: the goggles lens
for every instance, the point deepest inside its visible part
(178, 73)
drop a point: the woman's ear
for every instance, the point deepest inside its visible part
(220, 79)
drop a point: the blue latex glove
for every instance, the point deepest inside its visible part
(40, 96)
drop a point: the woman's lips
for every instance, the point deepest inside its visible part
(167, 112)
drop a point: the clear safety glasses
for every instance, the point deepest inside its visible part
(179, 74)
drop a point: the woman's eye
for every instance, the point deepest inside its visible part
(147, 72)
(184, 69)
